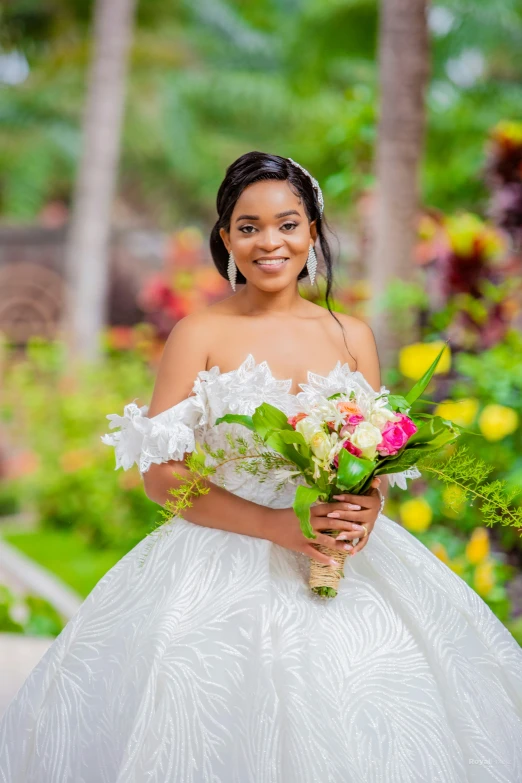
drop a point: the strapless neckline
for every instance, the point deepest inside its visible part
(250, 365)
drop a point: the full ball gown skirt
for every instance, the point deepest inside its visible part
(203, 656)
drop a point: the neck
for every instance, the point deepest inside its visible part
(253, 301)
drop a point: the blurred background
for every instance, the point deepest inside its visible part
(117, 122)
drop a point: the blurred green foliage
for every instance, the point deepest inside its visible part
(211, 80)
(28, 614)
(67, 554)
(60, 416)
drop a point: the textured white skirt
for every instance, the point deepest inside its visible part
(209, 660)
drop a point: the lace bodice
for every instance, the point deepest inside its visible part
(174, 432)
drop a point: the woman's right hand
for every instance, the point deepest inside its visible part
(283, 528)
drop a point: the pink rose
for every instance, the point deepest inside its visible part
(350, 424)
(406, 424)
(395, 435)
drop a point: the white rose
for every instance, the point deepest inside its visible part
(381, 416)
(307, 427)
(366, 437)
(320, 444)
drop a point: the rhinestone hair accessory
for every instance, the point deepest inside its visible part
(315, 185)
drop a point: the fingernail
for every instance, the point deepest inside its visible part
(341, 537)
(347, 547)
(334, 563)
(358, 528)
(353, 508)
(333, 514)
(338, 497)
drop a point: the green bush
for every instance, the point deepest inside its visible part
(29, 615)
(61, 417)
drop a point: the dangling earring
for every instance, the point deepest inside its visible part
(311, 264)
(232, 271)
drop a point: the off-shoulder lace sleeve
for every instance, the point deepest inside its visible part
(144, 441)
(399, 479)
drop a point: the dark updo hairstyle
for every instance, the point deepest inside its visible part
(253, 167)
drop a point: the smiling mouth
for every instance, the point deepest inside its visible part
(271, 262)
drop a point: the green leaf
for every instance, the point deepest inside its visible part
(267, 417)
(304, 497)
(352, 470)
(402, 462)
(235, 418)
(421, 384)
(276, 441)
(398, 403)
(427, 431)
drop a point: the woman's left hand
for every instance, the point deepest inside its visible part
(369, 511)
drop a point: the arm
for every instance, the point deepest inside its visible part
(183, 357)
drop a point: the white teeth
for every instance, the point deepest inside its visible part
(272, 263)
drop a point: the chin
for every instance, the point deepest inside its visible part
(276, 282)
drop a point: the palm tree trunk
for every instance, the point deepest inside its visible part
(404, 70)
(87, 249)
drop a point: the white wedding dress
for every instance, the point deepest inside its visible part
(206, 658)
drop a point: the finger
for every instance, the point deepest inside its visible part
(357, 500)
(333, 543)
(329, 508)
(376, 482)
(314, 554)
(349, 535)
(343, 526)
(358, 547)
(333, 509)
(356, 517)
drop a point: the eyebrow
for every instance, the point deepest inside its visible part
(279, 215)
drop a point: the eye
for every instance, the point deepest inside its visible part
(287, 226)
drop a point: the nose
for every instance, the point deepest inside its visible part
(269, 239)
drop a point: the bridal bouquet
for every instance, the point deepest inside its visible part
(340, 444)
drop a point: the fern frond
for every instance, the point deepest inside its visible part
(470, 474)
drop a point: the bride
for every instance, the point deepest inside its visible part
(205, 657)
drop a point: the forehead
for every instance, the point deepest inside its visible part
(268, 197)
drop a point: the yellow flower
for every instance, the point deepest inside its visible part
(416, 358)
(457, 566)
(462, 412)
(469, 235)
(416, 515)
(440, 551)
(484, 577)
(497, 421)
(477, 548)
(453, 498)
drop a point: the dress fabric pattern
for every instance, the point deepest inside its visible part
(206, 658)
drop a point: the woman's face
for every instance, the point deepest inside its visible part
(270, 235)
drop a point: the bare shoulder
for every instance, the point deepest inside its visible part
(362, 339)
(359, 330)
(184, 356)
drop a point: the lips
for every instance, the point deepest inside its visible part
(271, 263)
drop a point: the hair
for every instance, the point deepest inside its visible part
(253, 167)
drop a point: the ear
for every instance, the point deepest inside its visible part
(225, 236)
(313, 229)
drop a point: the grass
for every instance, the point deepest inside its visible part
(67, 555)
